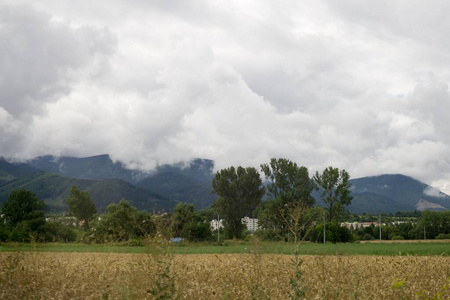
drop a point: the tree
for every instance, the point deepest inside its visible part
(122, 222)
(288, 186)
(21, 205)
(190, 225)
(182, 220)
(288, 182)
(240, 191)
(80, 205)
(23, 214)
(335, 188)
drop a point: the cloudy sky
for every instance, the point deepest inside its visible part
(360, 85)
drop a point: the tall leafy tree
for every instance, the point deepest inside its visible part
(240, 191)
(335, 190)
(288, 182)
(288, 185)
(80, 205)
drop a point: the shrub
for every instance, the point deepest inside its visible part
(443, 236)
(367, 237)
(397, 237)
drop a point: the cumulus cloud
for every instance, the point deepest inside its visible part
(40, 57)
(354, 85)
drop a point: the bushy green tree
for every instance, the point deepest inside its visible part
(190, 225)
(240, 191)
(122, 222)
(81, 206)
(335, 190)
(21, 205)
(182, 220)
(23, 214)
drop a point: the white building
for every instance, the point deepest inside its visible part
(250, 223)
(216, 224)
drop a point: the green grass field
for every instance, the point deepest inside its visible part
(421, 249)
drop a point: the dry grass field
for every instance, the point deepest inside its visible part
(161, 275)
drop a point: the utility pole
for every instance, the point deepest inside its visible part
(379, 225)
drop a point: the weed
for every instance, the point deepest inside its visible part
(163, 285)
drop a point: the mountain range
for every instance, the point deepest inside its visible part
(109, 181)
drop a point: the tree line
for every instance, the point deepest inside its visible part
(282, 201)
(288, 190)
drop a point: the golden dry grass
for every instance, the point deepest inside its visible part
(227, 276)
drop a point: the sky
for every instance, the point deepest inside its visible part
(357, 85)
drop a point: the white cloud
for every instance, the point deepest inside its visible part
(431, 191)
(357, 85)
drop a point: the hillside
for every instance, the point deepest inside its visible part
(54, 189)
(392, 193)
(184, 182)
(97, 167)
(109, 181)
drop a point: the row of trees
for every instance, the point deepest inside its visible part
(288, 212)
(425, 225)
(288, 189)
(22, 220)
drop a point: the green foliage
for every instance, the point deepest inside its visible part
(431, 224)
(161, 256)
(335, 190)
(81, 206)
(443, 236)
(182, 220)
(240, 191)
(24, 216)
(58, 232)
(288, 182)
(122, 222)
(288, 186)
(367, 237)
(22, 205)
(4, 232)
(190, 225)
(297, 282)
(334, 233)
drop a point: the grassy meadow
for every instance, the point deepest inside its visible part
(237, 271)
(428, 247)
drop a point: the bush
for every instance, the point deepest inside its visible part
(55, 231)
(443, 236)
(367, 237)
(397, 237)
